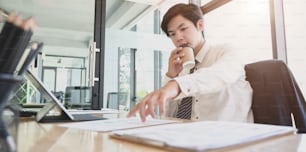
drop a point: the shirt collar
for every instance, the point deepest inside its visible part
(203, 51)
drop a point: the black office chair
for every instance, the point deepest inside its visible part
(276, 95)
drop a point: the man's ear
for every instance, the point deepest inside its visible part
(200, 25)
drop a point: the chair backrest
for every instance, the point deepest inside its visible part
(59, 95)
(276, 95)
(114, 99)
(78, 95)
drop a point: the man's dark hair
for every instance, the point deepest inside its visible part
(191, 12)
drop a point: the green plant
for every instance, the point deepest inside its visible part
(22, 93)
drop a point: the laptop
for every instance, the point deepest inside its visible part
(44, 115)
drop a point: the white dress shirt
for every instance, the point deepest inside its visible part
(218, 86)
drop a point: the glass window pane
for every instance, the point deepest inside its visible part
(131, 28)
(66, 28)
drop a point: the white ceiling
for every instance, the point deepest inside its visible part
(66, 24)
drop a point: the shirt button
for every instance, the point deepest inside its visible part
(188, 90)
(197, 100)
(197, 117)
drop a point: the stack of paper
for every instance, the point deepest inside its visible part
(116, 124)
(201, 136)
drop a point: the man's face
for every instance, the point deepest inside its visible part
(182, 31)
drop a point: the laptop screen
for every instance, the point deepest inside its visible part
(48, 95)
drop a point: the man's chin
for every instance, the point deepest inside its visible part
(185, 45)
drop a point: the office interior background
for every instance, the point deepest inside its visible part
(111, 53)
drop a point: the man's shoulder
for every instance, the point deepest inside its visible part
(219, 49)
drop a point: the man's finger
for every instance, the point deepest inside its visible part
(161, 105)
(151, 109)
(142, 111)
(133, 111)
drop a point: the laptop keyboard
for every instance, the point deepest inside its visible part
(85, 117)
(27, 113)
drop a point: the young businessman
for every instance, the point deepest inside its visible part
(217, 87)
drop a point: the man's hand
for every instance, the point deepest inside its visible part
(158, 97)
(25, 24)
(175, 63)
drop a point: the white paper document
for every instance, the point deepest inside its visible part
(115, 124)
(201, 136)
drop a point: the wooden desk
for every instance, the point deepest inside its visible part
(41, 137)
